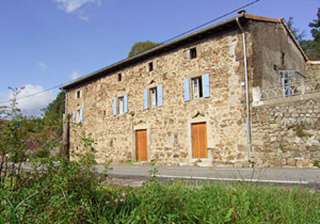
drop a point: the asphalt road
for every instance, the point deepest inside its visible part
(263, 175)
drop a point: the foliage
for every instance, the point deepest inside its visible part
(140, 47)
(311, 47)
(68, 193)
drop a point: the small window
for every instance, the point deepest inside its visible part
(196, 86)
(78, 116)
(283, 57)
(150, 66)
(78, 94)
(193, 53)
(121, 105)
(119, 77)
(153, 97)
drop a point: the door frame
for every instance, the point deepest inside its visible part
(134, 150)
(190, 123)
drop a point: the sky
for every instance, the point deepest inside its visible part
(47, 42)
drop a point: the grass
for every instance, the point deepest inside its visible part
(71, 194)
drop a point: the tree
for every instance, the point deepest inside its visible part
(315, 27)
(140, 47)
(312, 47)
(296, 32)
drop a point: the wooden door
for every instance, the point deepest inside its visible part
(199, 140)
(141, 145)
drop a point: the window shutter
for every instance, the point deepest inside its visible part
(145, 99)
(186, 87)
(205, 85)
(160, 95)
(114, 105)
(81, 114)
(125, 107)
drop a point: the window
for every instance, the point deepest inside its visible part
(78, 94)
(120, 105)
(150, 66)
(78, 115)
(119, 77)
(286, 84)
(193, 53)
(283, 56)
(196, 87)
(153, 97)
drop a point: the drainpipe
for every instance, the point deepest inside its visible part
(248, 116)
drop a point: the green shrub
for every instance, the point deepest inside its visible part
(71, 193)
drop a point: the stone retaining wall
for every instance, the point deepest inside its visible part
(286, 132)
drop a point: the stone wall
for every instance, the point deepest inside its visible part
(286, 132)
(168, 126)
(273, 50)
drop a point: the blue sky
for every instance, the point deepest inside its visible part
(47, 42)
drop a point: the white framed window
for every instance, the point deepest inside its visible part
(153, 97)
(197, 87)
(78, 115)
(120, 105)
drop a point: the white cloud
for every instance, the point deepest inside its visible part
(43, 66)
(29, 100)
(75, 75)
(70, 6)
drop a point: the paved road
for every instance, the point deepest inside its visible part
(264, 175)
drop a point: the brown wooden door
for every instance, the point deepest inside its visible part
(141, 145)
(199, 140)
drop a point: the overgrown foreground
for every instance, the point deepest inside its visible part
(70, 193)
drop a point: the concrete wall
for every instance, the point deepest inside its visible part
(168, 127)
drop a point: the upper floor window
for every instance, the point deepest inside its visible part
(153, 97)
(197, 87)
(78, 94)
(120, 105)
(78, 115)
(150, 66)
(119, 77)
(197, 90)
(193, 53)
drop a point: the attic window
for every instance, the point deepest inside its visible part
(150, 66)
(78, 94)
(193, 53)
(283, 56)
(119, 77)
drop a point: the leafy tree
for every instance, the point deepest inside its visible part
(298, 35)
(140, 47)
(315, 27)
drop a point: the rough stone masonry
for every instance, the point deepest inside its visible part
(207, 87)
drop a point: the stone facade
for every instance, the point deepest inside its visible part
(168, 126)
(169, 141)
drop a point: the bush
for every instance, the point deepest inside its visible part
(69, 193)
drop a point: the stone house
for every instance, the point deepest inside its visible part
(225, 95)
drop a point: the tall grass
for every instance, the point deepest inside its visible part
(70, 193)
